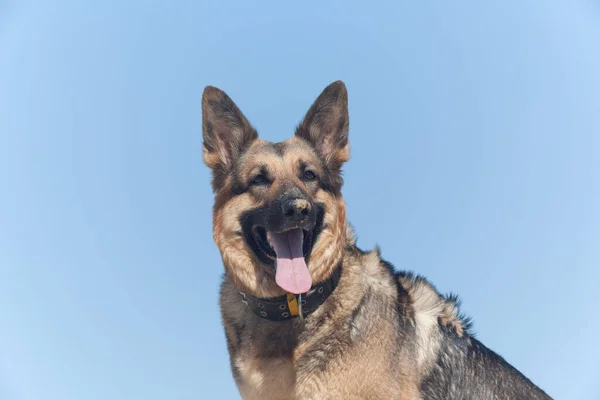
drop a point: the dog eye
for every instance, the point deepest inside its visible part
(309, 176)
(259, 180)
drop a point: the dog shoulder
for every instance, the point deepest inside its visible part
(435, 318)
(418, 298)
(432, 308)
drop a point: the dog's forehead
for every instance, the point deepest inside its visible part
(290, 150)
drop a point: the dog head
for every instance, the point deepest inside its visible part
(279, 219)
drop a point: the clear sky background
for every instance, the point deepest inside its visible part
(476, 161)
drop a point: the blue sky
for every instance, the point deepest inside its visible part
(475, 134)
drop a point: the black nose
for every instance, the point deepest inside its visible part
(295, 209)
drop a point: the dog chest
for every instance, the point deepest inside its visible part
(266, 378)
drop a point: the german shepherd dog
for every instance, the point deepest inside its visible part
(307, 314)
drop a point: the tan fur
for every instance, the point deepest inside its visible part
(267, 378)
(363, 371)
(378, 335)
(289, 366)
(239, 260)
(369, 361)
(430, 310)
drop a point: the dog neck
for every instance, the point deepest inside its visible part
(290, 306)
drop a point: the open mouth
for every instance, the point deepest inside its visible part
(264, 242)
(290, 249)
(286, 252)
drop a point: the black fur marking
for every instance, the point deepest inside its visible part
(469, 370)
(268, 218)
(237, 187)
(278, 148)
(358, 312)
(403, 301)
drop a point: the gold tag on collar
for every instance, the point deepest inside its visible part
(292, 303)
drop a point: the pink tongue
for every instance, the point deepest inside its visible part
(292, 273)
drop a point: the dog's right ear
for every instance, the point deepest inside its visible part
(226, 133)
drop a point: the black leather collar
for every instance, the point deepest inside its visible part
(291, 306)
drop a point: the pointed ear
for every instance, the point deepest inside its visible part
(226, 133)
(326, 124)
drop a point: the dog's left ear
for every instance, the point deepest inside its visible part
(226, 133)
(326, 124)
